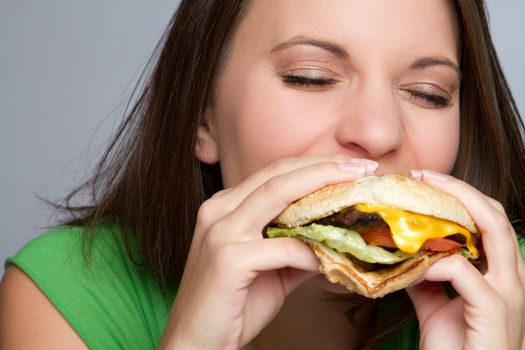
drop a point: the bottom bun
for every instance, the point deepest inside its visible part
(372, 284)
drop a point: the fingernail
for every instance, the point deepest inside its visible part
(371, 165)
(416, 174)
(434, 175)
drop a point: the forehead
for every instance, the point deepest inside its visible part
(375, 26)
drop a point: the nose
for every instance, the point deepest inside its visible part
(371, 122)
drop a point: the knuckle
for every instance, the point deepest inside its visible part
(330, 166)
(503, 221)
(213, 209)
(500, 221)
(293, 246)
(498, 206)
(278, 165)
(220, 193)
(273, 185)
(206, 210)
(458, 263)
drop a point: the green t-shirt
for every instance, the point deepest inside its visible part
(110, 302)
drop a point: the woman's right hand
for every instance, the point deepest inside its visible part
(235, 281)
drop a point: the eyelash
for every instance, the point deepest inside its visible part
(434, 99)
(301, 80)
(307, 81)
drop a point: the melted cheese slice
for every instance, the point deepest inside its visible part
(410, 230)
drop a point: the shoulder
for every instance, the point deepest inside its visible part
(71, 255)
(90, 279)
(63, 245)
(20, 301)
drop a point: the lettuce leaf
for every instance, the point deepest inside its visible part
(467, 254)
(342, 240)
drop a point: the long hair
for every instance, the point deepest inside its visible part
(151, 184)
(148, 181)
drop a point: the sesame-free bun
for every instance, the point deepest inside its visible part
(394, 190)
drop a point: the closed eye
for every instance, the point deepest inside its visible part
(434, 100)
(307, 81)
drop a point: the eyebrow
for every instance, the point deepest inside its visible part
(425, 62)
(330, 46)
(340, 52)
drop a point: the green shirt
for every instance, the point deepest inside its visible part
(110, 302)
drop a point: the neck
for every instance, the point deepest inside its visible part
(308, 320)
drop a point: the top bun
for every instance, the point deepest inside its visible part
(394, 190)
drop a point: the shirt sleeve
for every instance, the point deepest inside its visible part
(105, 298)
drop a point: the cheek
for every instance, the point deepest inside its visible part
(435, 143)
(266, 122)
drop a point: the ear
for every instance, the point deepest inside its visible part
(206, 147)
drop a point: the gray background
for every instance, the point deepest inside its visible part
(67, 69)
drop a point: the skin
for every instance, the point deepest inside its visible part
(371, 109)
(278, 140)
(366, 113)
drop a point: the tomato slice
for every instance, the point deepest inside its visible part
(441, 244)
(383, 238)
(378, 236)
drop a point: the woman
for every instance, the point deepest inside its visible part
(252, 105)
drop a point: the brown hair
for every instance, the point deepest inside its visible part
(151, 184)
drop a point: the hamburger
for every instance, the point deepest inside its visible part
(378, 234)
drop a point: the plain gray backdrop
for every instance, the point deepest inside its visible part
(67, 69)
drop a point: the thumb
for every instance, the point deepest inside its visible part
(291, 278)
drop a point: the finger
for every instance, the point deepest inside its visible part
(270, 254)
(225, 222)
(467, 281)
(225, 201)
(257, 307)
(427, 297)
(520, 262)
(482, 303)
(497, 233)
(272, 197)
(519, 259)
(519, 256)
(497, 205)
(235, 195)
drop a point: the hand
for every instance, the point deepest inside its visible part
(489, 312)
(235, 281)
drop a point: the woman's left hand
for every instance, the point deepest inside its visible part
(489, 311)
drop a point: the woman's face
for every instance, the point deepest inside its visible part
(375, 79)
